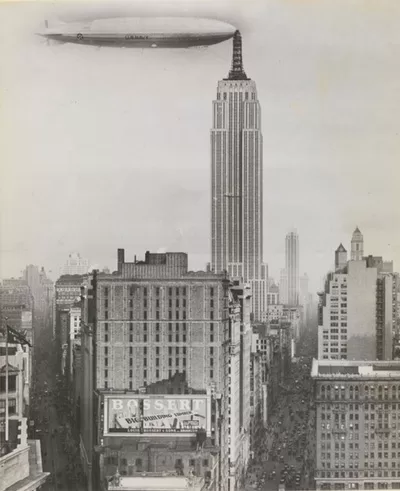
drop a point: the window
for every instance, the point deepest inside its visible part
(145, 291)
(12, 406)
(105, 373)
(106, 338)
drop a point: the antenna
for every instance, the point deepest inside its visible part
(237, 71)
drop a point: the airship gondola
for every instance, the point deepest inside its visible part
(143, 32)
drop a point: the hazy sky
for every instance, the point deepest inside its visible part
(107, 148)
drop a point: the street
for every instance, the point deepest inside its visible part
(60, 453)
(287, 455)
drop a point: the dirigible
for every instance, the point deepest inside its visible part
(143, 32)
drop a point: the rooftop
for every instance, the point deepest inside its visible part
(338, 369)
(156, 483)
(341, 248)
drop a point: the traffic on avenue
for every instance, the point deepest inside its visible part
(287, 454)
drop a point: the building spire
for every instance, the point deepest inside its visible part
(237, 71)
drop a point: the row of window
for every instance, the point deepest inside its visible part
(171, 339)
(144, 326)
(171, 291)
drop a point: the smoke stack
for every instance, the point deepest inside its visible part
(121, 259)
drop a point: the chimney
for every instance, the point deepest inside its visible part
(121, 259)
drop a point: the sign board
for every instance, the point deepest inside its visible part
(156, 413)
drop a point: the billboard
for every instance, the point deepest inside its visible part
(156, 414)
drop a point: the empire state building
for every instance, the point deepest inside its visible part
(237, 182)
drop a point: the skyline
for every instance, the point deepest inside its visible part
(311, 152)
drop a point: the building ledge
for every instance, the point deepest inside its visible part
(30, 483)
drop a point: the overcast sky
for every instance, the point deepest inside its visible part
(107, 148)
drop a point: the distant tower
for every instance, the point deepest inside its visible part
(357, 245)
(292, 268)
(340, 257)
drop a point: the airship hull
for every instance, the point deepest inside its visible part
(144, 32)
(148, 42)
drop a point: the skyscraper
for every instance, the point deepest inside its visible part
(75, 264)
(292, 267)
(357, 245)
(358, 307)
(237, 182)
